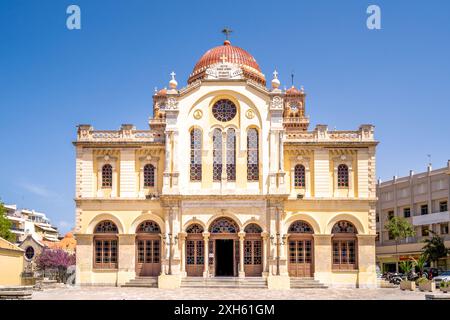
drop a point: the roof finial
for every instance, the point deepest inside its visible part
(292, 78)
(227, 31)
(173, 83)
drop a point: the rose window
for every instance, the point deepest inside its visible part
(224, 110)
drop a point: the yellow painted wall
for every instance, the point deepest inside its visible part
(11, 266)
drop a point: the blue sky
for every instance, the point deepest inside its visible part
(52, 79)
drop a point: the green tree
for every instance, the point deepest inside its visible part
(399, 228)
(434, 248)
(5, 225)
(420, 263)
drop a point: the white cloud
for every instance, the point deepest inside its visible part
(38, 190)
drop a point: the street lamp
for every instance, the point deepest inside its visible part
(277, 241)
(170, 241)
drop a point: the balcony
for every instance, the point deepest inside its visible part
(432, 218)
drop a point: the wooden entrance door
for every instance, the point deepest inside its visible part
(148, 262)
(253, 256)
(195, 256)
(301, 257)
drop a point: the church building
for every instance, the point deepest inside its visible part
(229, 181)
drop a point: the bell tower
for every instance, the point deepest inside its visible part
(294, 118)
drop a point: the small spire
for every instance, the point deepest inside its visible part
(292, 78)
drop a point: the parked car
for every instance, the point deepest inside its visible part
(444, 276)
(431, 273)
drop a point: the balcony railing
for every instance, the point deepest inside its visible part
(432, 218)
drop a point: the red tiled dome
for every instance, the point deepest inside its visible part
(232, 54)
(293, 91)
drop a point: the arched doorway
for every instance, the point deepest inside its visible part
(344, 246)
(301, 245)
(224, 247)
(148, 249)
(195, 250)
(253, 248)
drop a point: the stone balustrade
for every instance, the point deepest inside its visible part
(127, 133)
(321, 134)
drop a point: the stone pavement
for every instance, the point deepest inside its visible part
(114, 293)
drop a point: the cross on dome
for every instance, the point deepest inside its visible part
(223, 58)
(227, 32)
(173, 74)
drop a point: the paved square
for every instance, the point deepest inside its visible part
(114, 293)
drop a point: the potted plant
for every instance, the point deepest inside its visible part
(405, 284)
(426, 285)
(445, 286)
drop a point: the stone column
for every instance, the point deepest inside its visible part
(367, 276)
(206, 245)
(241, 254)
(266, 253)
(182, 246)
(84, 259)
(127, 258)
(322, 258)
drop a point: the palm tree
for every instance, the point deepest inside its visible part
(399, 228)
(434, 248)
(420, 263)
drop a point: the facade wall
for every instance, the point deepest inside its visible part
(273, 201)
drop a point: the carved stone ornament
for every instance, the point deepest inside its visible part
(224, 70)
(277, 103)
(198, 114)
(250, 114)
(172, 104)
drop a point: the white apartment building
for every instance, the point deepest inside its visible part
(26, 222)
(422, 199)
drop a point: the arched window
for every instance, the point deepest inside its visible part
(253, 228)
(300, 227)
(105, 245)
(107, 176)
(224, 225)
(149, 175)
(217, 155)
(299, 176)
(252, 155)
(148, 227)
(194, 228)
(231, 155)
(196, 155)
(344, 246)
(342, 176)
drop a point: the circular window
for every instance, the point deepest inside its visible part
(29, 253)
(224, 110)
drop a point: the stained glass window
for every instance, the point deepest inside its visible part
(148, 227)
(196, 155)
(343, 176)
(300, 227)
(217, 155)
(231, 155)
(252, 155)
(106, 227)
(194, 228)
(224, 225)
(344, 227)
(299, 176)
(224, 110)
(149, 175)
(107, 176)
(253, 228)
